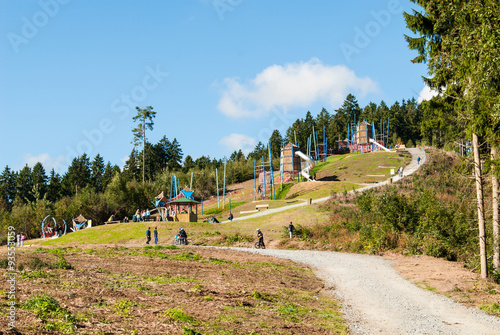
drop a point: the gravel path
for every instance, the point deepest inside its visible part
(377, 300)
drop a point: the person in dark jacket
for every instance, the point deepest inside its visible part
(260, 236)
(155, 233)
(183, 236)
(148, 235)
(291, 229)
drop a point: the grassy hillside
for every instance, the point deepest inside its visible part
(339, 174)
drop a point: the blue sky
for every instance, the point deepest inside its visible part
(221, 74)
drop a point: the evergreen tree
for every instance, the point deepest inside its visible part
(97, 172)
(54, 187)
(203, 162)
(188, 163)
(131, 170)
(258, 152)
(145, 117)
(275, 142)
(174, 156)
(78, 175)
(109, 172)
(459, 42)
(8, 188)
(39, 179)
(347, 113)
(25, 185)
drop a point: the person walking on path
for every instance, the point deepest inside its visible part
(148, 235)
(18, 239)
(418, 160)
(260, 236)
(155, 233)
(230, 218)
(401, 171)
(22, 239)
(291, 229)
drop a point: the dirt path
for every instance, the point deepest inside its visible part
(377, 300)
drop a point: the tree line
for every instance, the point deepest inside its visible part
(99, 189)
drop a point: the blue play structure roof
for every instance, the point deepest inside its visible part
(187, 194)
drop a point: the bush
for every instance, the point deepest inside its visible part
(62, 264)
(36, 263)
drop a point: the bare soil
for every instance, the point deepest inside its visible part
(451, 279)
(162, 291)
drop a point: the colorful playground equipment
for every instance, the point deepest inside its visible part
(57, 230)
(80, 222)
(180, 207)
(362, 137)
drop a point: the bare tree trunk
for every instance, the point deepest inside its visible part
(143, 149)
(496, 224)
(480, 206)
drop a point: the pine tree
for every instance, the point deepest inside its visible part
(39, 179)
(97, 171)
(78, 175)
(145, 117)
(174, 156)
(54, 187)
(459, 42)
(25, 185)
(8, 188)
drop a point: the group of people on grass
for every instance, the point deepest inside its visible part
(141, 216)
(20, 237)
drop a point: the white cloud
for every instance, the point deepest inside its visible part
(426, 94)
(58, 163)
(238, 141)
(292, 85)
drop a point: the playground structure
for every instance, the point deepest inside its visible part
(179, 207)
(309, 165)
(57, 230)
(80, 222)
(292, 168)
(316, 150)
(362, 137)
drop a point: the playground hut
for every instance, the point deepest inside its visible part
(288, 160)
(80, 222)
(186, 210)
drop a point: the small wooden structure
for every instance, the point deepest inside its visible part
(183, 208)
(289, 162)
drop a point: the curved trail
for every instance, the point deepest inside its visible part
(377, 300)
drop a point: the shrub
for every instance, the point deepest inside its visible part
(36, 263)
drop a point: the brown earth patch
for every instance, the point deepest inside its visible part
(451, 279)
(163, 291)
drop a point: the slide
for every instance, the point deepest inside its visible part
(309, 165)
(380, 145)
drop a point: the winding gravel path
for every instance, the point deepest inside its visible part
(377, 300)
